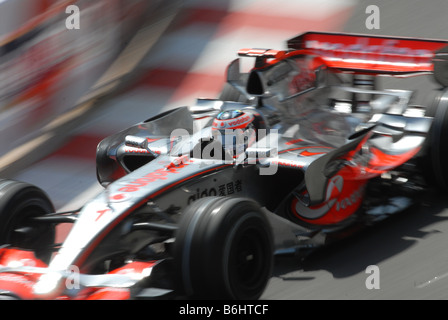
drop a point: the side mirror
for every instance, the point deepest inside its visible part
(136, 142)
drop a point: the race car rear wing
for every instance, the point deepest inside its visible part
(372, 54)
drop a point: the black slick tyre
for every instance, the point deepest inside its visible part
(19, 203)
(437, 146)
(223, 249)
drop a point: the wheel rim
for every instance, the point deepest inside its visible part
(249, 265)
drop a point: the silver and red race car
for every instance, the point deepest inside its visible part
(198, 200)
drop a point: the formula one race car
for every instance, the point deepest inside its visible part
(197, 201)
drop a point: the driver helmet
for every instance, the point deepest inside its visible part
(227, 123)
(233, 119)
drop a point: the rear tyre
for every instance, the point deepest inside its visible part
(19, 204)
(436, 159)
(440, 62)
(223, 249)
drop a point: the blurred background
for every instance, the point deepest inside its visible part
(45, 68)
(64, 90)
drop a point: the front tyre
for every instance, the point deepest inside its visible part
(20, 203)
(223, 249)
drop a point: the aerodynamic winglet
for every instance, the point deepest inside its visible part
(318, 174)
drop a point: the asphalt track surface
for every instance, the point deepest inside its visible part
(409, 249)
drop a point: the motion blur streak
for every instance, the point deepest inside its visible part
(45, 68)
(203, 39)
(410, 253)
